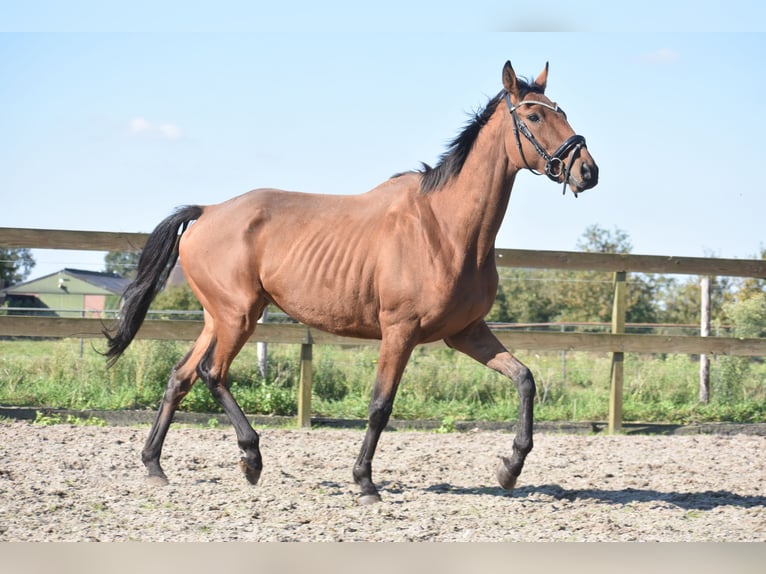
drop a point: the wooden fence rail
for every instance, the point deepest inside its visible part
(12, 237)
(616, 342)
(293, 334)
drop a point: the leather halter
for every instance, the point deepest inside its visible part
(554, 163)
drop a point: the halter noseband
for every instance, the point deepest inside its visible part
(554, 163)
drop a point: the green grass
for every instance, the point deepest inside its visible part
(438, 383)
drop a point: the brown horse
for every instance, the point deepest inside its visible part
(411, 261)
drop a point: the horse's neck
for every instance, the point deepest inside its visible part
(472, 206)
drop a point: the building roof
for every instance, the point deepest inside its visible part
(110, 282)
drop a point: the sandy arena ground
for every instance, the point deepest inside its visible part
(74, 483)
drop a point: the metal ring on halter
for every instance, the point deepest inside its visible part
(554, 167)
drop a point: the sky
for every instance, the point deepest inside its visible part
(112, 116)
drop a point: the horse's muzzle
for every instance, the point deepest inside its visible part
(583, 175)
(588, 175)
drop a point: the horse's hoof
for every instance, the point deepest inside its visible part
(367, 499)
(251, 474)
(504, 476)
(156, 480)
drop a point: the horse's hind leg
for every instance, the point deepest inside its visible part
(213, 369)
(479, 343)
(181, 379)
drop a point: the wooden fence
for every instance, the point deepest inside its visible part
(617, 342)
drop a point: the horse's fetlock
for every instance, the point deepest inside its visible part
(362, 472)
(249, 445)
(523, 445)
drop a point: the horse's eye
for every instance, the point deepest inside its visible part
(533, 118)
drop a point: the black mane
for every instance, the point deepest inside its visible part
(452, 161)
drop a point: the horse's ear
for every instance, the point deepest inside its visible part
(542, 79)
(510, 83)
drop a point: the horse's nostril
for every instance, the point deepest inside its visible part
(589, 173)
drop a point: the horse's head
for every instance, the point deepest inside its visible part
(543, 141)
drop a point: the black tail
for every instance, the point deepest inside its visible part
(157, 259)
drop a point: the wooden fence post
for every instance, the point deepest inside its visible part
(704, 390)
(304, 385)
(619, 308)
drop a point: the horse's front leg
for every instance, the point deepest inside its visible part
(479, 343)
(395, 351)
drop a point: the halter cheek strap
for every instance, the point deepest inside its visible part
(554, 163)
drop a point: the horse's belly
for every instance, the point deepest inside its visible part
(336, 317)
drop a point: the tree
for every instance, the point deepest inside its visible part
(748, 316)
(596, 239)
(531, 295)
(548, 295)
(15, 265)
(124, 263)
(499, 312)
(176, 298)
(589, 294)
(749, 287)
(680, 299)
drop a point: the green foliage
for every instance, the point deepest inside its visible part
(749, 286)
(735, 380)
(176, 298)
(680, 299)
(748, 315)
(596, 239)
(274, 395)
(15, 265)
(328, 381)
(447, 425)
(438, 384)
(527, 296)
(49, 418)
(589, 295)
(543, 296)
(500, 311)
(124, 263)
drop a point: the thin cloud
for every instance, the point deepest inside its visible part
(661, 56)
(141, 126)
(169, 131)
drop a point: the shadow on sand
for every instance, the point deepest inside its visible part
(704, 500)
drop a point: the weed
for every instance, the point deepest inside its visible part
(447, 425)
(47, 418)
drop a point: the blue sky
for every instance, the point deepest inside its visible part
(111, 121)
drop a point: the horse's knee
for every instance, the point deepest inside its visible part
(379, 413)
(525, 383)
